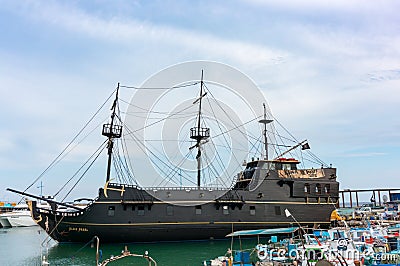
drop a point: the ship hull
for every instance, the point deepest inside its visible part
(127, 226)
(127, 233)
(124, 213)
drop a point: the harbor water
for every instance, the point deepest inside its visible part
(23, 246)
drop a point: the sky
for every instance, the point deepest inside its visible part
(330, 71)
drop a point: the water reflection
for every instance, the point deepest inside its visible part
(23, 246)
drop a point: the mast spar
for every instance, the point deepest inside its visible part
(265, 121)
(112, 131)
(199, 133)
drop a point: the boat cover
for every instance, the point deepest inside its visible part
(271, 231)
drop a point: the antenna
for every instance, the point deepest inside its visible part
(265, 121)
(41, 189)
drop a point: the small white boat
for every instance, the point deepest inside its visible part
(20, 216)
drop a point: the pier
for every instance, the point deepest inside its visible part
(351, 197)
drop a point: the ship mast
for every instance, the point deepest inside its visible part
(199, 133)
(265, 121)
(111, 131)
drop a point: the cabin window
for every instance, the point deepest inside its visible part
(266, 166)
(278, 210)
(288, 166)
(272, 166)
(249, 171)
(140, 210)
(307, 188)
(252, 210)
(198, 210)
(170, 210)
(327, 189)
(318, 189)
(124, 206)
(225, 209)
(111, 211)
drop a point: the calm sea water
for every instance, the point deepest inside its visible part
(22, 246)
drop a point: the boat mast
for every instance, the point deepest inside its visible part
(112, 131)
(265, 121)
(199, 133)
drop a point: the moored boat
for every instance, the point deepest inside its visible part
(255, 197)
(302, 246)
(20, 216)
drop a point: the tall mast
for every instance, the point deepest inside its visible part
(265, 121)
(199, 133)
(112, 131)
(200, 97)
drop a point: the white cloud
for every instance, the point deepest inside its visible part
(128, 30)
(383, 75)
(328, 69)
(367, 154)
(355, 6)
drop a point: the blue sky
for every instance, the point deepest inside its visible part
(330, 72)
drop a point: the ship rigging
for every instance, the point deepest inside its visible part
(165, 197)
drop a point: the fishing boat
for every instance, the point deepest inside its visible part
(310, 247)
(255, 196)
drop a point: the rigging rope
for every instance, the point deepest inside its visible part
(156, 122)
(83, 174)
(144, 148)
(125, 165)
(59, 157)
(80, 168)
(219, 126)
(161, 88)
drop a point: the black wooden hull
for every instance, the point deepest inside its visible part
(137, 216)
(82, 233)
(78, 230)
